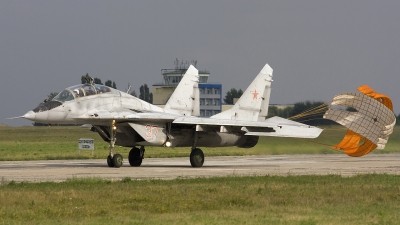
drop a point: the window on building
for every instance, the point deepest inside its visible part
(208, 113)
(201, 101)
(203, 79)
(208, 101)
(174, 79)
(209, 90)
(201, 90)
(216, 102)
(216, 91)
(202, 113)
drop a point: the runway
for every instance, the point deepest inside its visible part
(171, 168)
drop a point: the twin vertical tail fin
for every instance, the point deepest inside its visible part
(185, 99)
(253, 104)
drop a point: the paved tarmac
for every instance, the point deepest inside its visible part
(171, 168)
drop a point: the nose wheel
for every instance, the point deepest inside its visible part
(115, 161)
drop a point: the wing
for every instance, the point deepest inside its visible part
(275, 126)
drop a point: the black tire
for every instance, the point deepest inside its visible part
(118, 160)
(135, 157)
(197, 157)
(110, 162)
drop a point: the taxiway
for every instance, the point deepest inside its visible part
(171, 168)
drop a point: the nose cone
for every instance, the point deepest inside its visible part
(29, 115)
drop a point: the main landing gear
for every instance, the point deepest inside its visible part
(196, 157)
(136, 156)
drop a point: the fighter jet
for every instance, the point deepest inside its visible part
(124, 120)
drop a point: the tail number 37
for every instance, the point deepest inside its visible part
(151, 131)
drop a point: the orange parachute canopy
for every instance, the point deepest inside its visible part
(369, 126)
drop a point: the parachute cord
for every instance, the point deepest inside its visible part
(310, 112)
(304, 119)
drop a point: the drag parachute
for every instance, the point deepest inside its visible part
(370, 120)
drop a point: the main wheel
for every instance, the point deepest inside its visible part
(135, 157)
(117, 160)
(110, 162)
(197, 157)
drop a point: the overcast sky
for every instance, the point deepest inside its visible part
(317, 48)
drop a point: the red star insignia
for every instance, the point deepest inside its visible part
(255, 94)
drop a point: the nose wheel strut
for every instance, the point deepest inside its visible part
(113, 159)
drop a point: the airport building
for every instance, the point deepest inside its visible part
(210, 94)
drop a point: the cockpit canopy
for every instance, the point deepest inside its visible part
(81, 90)
(71, 93)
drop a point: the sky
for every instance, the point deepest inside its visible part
(317, 48)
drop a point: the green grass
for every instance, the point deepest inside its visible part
(35, 143)
(363, 199)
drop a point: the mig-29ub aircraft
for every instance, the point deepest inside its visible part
(124, 120)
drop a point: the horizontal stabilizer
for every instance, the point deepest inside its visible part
(275, 126)
(288, 131)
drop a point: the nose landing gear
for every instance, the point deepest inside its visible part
(114, 160)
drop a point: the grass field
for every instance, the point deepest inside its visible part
(34, 143)
(363, 199)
